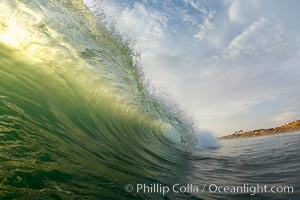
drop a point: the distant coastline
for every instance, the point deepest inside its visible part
(286, 128)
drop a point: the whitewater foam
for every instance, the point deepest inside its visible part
(205, 139)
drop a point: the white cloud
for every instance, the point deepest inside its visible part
(261, 41)
(243, 11)
(228, 108)
(196, 5)
(244, 43)
(205, 27)
(186, 17)
(285, 117)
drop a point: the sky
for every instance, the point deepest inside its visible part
(230, 65)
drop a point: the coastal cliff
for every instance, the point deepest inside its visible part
(286, 128)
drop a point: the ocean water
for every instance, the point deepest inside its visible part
(270, 160)
(78, 122)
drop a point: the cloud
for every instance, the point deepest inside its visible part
(285, 117)
(259, 43)
(205, 27)
(242, 11)
(196, 5)
(244, 43)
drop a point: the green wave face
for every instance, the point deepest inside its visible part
(75, 119)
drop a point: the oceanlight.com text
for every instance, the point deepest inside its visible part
(251, 189)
